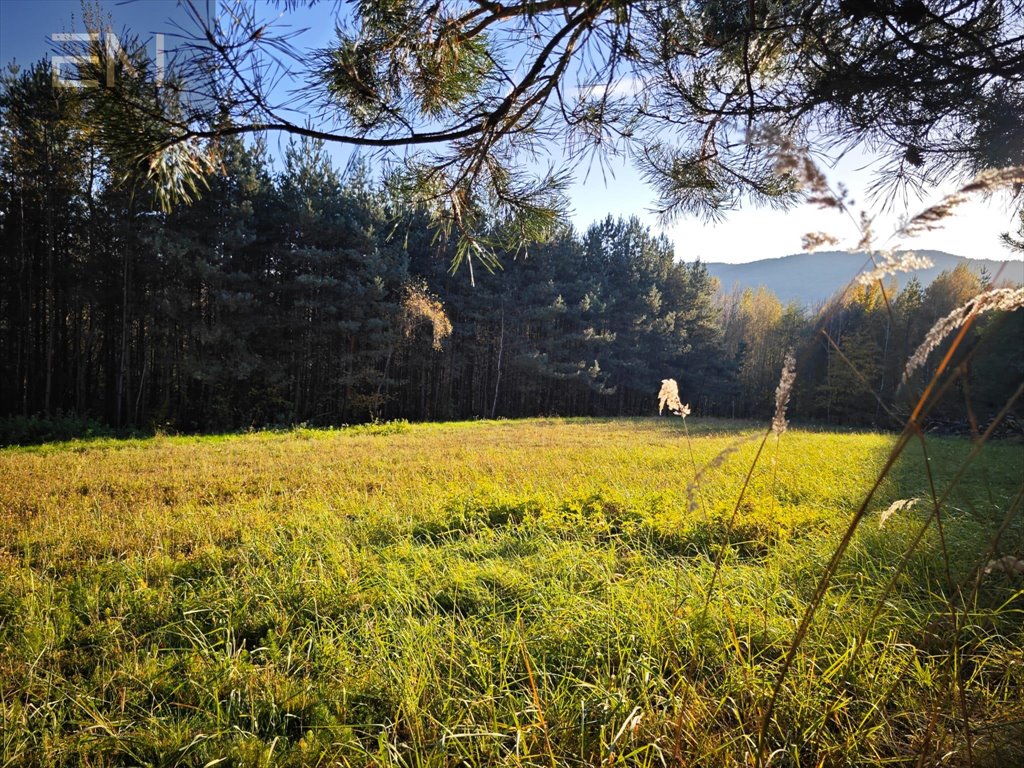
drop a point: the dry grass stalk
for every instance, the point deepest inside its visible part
(796, 161)
(985, 182)
(897, 506)
(998, 300)
(867, 234)
(892, 263)
(812, 241)
(783, 391)
(668, 397)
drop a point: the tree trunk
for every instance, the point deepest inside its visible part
(501, 349)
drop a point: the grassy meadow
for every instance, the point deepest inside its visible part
(505, 593)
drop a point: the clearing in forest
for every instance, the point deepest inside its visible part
(539, 592)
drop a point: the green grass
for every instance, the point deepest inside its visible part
(513, 593)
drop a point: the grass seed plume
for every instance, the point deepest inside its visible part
(668, 397)
(892, 263)
(896, 506)
(997, 300)
(783, 391)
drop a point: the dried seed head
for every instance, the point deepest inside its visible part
(668, 397)
(892, 263)
(867, 234)
(985, 182)
(783, 391)
(896, 506)
(796, 162)
(812, 241)
(1000, 299)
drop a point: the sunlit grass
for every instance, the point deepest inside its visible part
(522, 593)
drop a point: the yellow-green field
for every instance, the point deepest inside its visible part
(503, 593)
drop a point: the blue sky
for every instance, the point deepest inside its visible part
(745, 235)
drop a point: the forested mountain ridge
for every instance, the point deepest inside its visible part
(813, 278)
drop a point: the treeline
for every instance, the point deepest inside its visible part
(306, 295)
(284, 297)
(853, 352)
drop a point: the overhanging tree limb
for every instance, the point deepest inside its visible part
(933, 85)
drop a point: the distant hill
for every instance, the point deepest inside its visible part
(813, 278)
